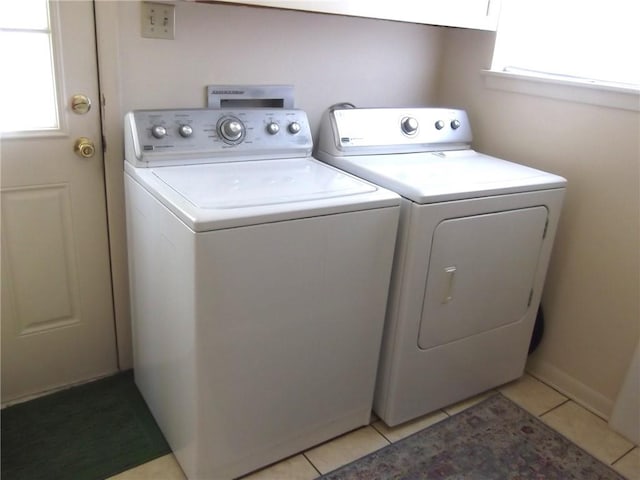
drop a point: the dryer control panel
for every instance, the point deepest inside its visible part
(370, 131)
(178, 137)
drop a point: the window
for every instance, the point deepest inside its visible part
(27, 83)
(573, 38)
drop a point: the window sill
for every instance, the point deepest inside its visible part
(594, 93)
(44, 133)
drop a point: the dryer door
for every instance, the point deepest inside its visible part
(481, 273)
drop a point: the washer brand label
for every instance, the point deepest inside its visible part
(228, 92)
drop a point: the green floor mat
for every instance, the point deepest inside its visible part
(88, 432)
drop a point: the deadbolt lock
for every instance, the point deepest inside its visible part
(80, 104)
(84, 147)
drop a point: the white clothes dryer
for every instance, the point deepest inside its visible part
(474, 242)
(259, 278)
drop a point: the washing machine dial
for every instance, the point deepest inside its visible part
(455, 124)
(439, 124)
(158, 131)
(273, 128)
(294, 128)
(231, 130)
(185, 131)
(409, 125)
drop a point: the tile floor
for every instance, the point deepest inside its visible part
(567, 417)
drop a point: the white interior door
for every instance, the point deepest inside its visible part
(57, 310)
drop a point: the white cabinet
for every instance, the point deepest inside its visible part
(477, 14)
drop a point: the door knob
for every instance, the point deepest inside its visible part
(84, 147)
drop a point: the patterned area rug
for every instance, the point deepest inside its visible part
(493, 440)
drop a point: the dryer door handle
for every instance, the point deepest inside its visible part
(450, 276)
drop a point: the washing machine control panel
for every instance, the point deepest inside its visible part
(174, 137)
(368, 131)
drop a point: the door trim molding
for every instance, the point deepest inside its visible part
(109, 74)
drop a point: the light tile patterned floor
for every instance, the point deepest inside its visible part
(533, 395)
(294, 468)
(163, 468)
(345, 449)
(591, 432)
(567, 417)
(393, 434)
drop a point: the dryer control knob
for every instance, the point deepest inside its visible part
(185, 130)
(409, 125)
(455, 124)
(439, 124)
(273, 128)
(158, 131)
(294, 127)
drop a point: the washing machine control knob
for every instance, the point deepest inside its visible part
(158, 131)
(185, 130)
(455, 124)
(409, 125)
(294, 127)
(439, 125)
(273, 128)
(231, 129)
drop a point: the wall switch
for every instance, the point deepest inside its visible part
(158, 20)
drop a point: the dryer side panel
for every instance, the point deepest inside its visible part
(481, 273)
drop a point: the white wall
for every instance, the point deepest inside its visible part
(591, 297)
(327, 58)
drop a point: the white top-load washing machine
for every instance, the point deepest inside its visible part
(473, 246)
(259, 278)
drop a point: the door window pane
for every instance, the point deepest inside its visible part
(24, 14)
(27, 85)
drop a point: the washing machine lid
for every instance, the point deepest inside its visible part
(430, 177)
(224, 195)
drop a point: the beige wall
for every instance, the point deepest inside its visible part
(327, 58)
(591, 295)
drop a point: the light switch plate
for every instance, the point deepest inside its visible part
(158, 20)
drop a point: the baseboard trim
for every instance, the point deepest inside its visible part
(32, 396)
(567, 385)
